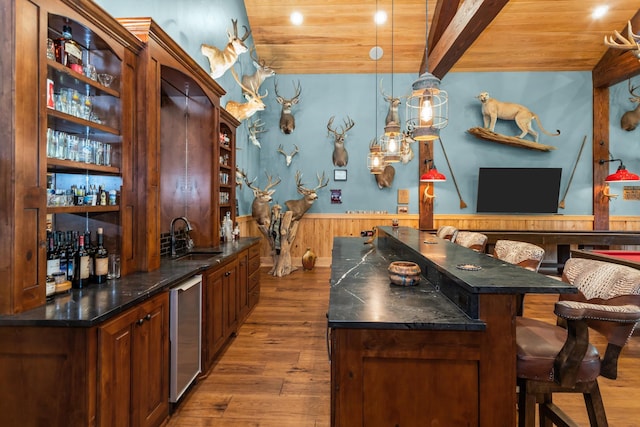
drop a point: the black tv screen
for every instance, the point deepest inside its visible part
(518, 190)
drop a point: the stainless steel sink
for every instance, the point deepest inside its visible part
(197, 256)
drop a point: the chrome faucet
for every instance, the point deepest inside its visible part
(187, 229)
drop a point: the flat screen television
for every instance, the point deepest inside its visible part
(518, 190)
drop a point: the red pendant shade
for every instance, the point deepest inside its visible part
(432, 176)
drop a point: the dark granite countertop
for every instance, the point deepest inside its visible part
(363, 297)
(97, 303)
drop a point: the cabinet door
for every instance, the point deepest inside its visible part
(115, 341)
(230, 298)
(243, 285)
(214, 315)
(133, 368)
(150, 380)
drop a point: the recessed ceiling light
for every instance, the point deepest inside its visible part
(599, 11)
(296, 18)
(376, 53)
(380, 17)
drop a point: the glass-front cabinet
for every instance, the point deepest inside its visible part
(67, 134)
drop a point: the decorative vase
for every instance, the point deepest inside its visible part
(309, 259)
(404, 273)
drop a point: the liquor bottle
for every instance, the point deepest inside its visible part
(72, 50)
(62, 252)
(100, 259)
(81, 266)
(72, 248)
(53, 258)
(103, 196)
(60, 45)
(91, 250)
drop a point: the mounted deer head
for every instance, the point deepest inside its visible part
(629, 43)
(406, 151)
(385, 179)
(630, 119)
(340, 154)
(254, 129)
(260, 209)
(300, 206)
(221, 60)
(245, 110)
(263, 71)
(287, 121)
(288, 157)
(394, 103)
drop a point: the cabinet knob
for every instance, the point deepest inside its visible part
(227, 274)
(147, 317)
(139, 322)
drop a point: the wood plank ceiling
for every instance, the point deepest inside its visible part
(465, 35)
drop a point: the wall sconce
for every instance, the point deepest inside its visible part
(621, 175)
(432, 175)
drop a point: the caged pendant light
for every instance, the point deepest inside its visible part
(376, 161)
(427, 107)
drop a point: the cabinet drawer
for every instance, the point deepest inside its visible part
(254, 264)
(254, 280)
(254, 251)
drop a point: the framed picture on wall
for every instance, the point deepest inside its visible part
(339, 174)
(403, 209)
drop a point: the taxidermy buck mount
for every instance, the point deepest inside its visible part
(288, 157)
(263, 71)
(254, 129)
(221, 60)
(300, 206)
(287, 121)
(242, 111)
(630, 43)
(492, 109)
(260, 208)
(385, 179)
(630, 119)
(394, 103)
(340, 154)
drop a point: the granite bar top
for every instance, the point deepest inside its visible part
(96, 303)
(362, 296)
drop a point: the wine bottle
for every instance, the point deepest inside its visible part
(81, 266)
(100, 259)
(72, 248)
(88, 246)
(53, 258)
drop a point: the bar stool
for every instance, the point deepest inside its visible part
(472, 240)
(552, 359)
(447, 232)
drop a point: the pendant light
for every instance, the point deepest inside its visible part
(376, 161)
(427, 107)
(621, 175)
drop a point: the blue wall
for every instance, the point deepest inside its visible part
(563, 100)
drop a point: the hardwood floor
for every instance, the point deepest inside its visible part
(276, 371)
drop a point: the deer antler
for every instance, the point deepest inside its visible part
(634, 96)
(348, 124)
(235, 30)
(251, 91)
(270, 182)
(320, 179)
(255, 127)
(281, 150)
(626, 43)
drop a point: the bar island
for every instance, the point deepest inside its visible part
(440, 353)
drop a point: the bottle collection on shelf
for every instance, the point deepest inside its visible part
(227, 231)
(82, 196)
(73, 261)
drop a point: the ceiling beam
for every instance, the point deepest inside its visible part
(616, 65)
(462, 30)
(442, 17)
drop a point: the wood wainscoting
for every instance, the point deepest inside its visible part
(318, 230)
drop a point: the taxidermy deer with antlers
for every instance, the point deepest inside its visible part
(287, 121)
(629, 43)
(263, 71)
(288, 157)
(221, 60)
(340, 154)
(254, 129)
(260, 209)
(300, 206)
(394, 103)
(630, 119)
(242, 111)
